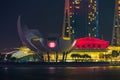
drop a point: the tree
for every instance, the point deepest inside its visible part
(115, 53)
(101, 55)
(76, 56)
(108, 56)
(86, 56)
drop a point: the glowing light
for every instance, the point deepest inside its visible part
(91, 1)
(66, 38)
(73, 21)
(70, 6)
(73, 31)
(36, 39)
(77, 7)
(52, 44)
(70, 16)
(118, 14)
(119, 8)
(114, 48)
(74, 43)
(77, 2)
(118, 2)
(89, 6)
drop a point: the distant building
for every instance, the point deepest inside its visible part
(84, 18)
(116, 25)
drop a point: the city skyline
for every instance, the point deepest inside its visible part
(11, 10)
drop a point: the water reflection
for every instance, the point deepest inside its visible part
(51, 70)
(60, 73)
(4, 73)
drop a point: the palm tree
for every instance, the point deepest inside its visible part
(115, 54)
(108, 56)
(86, 56)
(101, 55)
(75, 56)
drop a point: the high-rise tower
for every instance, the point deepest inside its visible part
(66, 22)
(84, 18)
(116, 25)
(78, 15)
(92, 18)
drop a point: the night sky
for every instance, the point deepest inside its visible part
(46, 14)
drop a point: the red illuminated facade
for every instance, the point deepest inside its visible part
(91, 43)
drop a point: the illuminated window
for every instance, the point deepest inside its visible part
(95, 9)
(77, 2)
(119, 2)
(89, 34)
(70, 6)
(119, 8)
(70, 16)
(91, 1)
(73, 2)
(118, 14)
(73, 31)
(35, 39)
(95, 5)
(88, 16)
(94, 1)
(90, 19)
(95, 35)
(73, 21)
(77, 7)
(68, 28)
(93, 18)
(91, 13)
